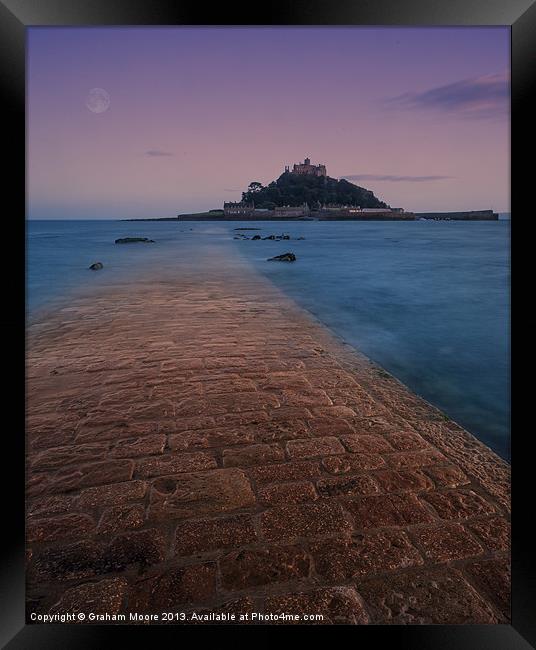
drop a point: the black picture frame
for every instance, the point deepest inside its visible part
(15, 17)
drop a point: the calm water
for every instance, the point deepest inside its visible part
(429, 301)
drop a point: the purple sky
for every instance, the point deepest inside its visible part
(418, 115)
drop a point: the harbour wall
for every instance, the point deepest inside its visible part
(471, 215)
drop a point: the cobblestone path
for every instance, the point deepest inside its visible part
(207, 446)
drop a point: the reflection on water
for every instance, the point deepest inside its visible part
(426, 300)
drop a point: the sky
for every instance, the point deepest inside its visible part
(420, 116)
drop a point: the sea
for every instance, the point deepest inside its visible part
(427, 300)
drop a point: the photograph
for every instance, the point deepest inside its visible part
(267, 326)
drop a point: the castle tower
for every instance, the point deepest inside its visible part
(306, 168)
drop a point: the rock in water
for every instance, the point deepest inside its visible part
(286, 257)
(132, 240)
(96, 266)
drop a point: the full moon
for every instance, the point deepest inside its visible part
(98, 100)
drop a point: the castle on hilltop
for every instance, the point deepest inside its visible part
(306, 169)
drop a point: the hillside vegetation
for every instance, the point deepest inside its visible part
(294, 189)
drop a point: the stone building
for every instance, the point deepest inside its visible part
(292, 211)
(240, 208)
(339, 206)
(305, 168)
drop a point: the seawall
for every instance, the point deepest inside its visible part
(321, 216)
(471, 215)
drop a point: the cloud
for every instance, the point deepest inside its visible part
(157, 152)
(478, 97)
(394, 179)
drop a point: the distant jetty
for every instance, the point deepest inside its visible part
(303, 213)
(471, 215)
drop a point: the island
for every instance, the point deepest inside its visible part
(307, 193)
